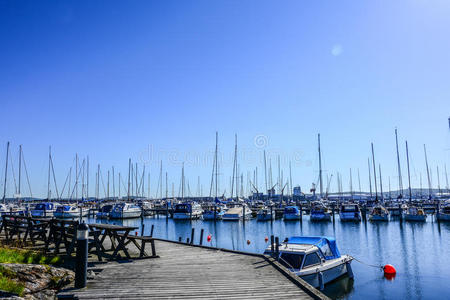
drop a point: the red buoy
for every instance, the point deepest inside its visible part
(266, 239)
(208, 238)
(248, 242)
(389, 269)
(136, 233)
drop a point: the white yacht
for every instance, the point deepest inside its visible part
(237, 213)
(69, 212)
(315, 259)
(265, 214)
(187, 211)
(444, 212)
(319, 212)
(125, 211)
(350, 212)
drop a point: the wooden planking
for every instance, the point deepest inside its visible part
(186, 272)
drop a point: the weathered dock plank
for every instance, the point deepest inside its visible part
(187, 272)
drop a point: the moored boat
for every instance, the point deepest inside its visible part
(69, 212)
(415, 214)
(237, 213)
(187, 211)
(291, 213)
(44, 209)
(319, 212)
(125, 211)
(104, 211)
(350, 212)
(315, 259)
(264, 214)
(444, 212)
(379, 213)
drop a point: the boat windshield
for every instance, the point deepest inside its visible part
(182, 208)
(349, 208)
(290, 210)
(291, 260)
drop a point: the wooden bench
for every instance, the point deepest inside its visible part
(14, 225)
(144, 240)
(65, 231)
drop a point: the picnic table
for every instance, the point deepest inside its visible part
(117, 234)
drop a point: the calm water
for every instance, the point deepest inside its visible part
(419, 252)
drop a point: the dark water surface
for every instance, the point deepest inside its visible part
(419, 251)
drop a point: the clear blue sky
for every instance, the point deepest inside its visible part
(109, 78)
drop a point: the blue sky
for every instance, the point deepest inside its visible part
(112, 79)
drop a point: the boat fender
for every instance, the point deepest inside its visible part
(321, 283)
(349, 270)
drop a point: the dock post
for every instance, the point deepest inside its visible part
(82, 256)
(142, 212)
(332, 212)
(271, 245)
(277, 250)
(272, 216)
(400, 212)
(179, 239)
(151, 230)
(167, 210)
(215, 212)
(187, 240)
(142, 229)
(243, 213)
(192, 236)
(201, 236)
(81, 213)
(301, 213)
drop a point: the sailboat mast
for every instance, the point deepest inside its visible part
(409, 176)
(20, 169)
(381, 183)
(265, 171)
(48, 179)
(446, 179)
(320, 167)
(428, 171)
(129, 175)
(217, 164)
(351, 184)
(370, 179)
(400, 185)
(76, 176)
(439, 182)
(6, 173)
(374, 174)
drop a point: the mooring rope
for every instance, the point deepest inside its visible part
(364, 263)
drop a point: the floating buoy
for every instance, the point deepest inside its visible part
(266, 239)
(389, 270)
(248, 242)
(208, 238)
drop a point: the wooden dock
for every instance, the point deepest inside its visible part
(194, 272)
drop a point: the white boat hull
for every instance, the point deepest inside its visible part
(329, 274)
(320, 217)
(186, 216)
(125, 214)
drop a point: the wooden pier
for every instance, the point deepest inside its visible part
(185, 271)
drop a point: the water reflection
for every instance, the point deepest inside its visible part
(419, 251)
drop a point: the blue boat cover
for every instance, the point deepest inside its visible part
(291, 209)
(326, 245)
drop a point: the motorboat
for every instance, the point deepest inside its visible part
(187, 211)
(379, 213)
(319, 212)
(264, 214)
(44, 209)
(237, 213)
(292, 213)
(216, 213)
(315, 259)
(125, 211)
(444, 212)
(415, 214)
(350, 212)
(104, 211)
(69, 212)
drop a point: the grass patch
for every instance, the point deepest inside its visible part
(8, 284)
(16, 256)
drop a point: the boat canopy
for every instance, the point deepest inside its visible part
(326, 245)
(291, 210)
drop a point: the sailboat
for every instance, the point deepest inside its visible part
(319, 212)
(414, 213)
(379, 211)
